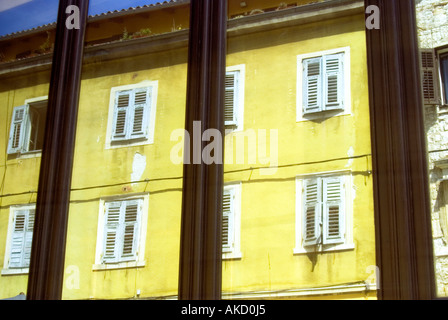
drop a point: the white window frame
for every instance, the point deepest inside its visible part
(240, 70)
(348, 214)
(142, 230)
(24, 153)
(346, 91)
(153, 87)
(235, 252)
(442, 86)
(6, 268)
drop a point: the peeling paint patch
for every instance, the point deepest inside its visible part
(350, 153)
(138, 167)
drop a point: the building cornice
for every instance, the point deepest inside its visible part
(315, 12)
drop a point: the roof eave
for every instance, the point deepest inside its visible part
(100, 17)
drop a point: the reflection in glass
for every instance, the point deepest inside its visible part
(298, 163)
(25, 66)
(432, 20)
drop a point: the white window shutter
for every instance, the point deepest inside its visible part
(334, 81)
(141, 110)
(111, 232)
(312, 204)
(231, 98)
(121, 115)
(22, 237)
(333, 206)
(312, 85)
(18, 131)
(121, 231)
(29, 237)
(228, 214)
(130, 229)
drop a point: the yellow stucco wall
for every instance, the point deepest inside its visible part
(268, 225)
(268, 202)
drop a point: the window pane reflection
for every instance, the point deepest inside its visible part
(299, 161)
(432, 20)
(26, 45)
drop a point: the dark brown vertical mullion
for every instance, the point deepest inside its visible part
(200, 247)
(46, 273)
(401, 199)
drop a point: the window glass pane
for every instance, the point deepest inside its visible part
(298, 216)
(126, 201)
(444, 74)
(299, 161)
(26, 45)
(433, 37)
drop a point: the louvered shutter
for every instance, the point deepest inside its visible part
(130, 230)
(312, 203)
(121, 230)
(121, 115)
(228, 221)
(141, 110)
(112, 232)
(29, 237)
(429, 77)
(312, 85)
(22, 237)
(18, 131)
(333, 210)
(333, 81)
(231, 98)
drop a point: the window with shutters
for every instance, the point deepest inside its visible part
(234, 98)
(434, 76)
(27, 128)
(19, 240)
(121, 233)
(323, 213)
(323, 84)
(231, 218)
(132, 113)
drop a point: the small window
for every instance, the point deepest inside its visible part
(27, 128)
(132, 113)
(231, 210)
(20, 239)
(121, 232)
(323, 84)
(234, 98)
(323, 213)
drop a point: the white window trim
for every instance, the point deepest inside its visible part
(140, 262)
(439, 71)
(152, 116)
(241, 68)
(34, 153)
(348, 214)
(347, 91)
(6, 270)
(236, 253)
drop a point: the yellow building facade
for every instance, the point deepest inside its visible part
(298, 202)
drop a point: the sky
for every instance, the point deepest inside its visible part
(18, 15)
